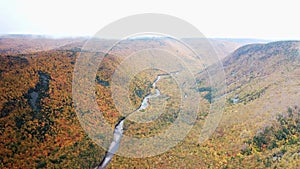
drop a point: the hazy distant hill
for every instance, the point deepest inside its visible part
(222, 46)
(33, 43)
(26, 44)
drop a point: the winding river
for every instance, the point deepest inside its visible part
(118, 131)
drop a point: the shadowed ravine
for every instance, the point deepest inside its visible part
(118, 131)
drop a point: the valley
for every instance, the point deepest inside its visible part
(259, 128)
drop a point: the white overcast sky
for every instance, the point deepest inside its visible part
(261, 19)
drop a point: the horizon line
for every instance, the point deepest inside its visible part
(50, 36)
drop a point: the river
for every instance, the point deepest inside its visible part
(118, 131)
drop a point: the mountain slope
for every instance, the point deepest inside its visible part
(263, 81)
